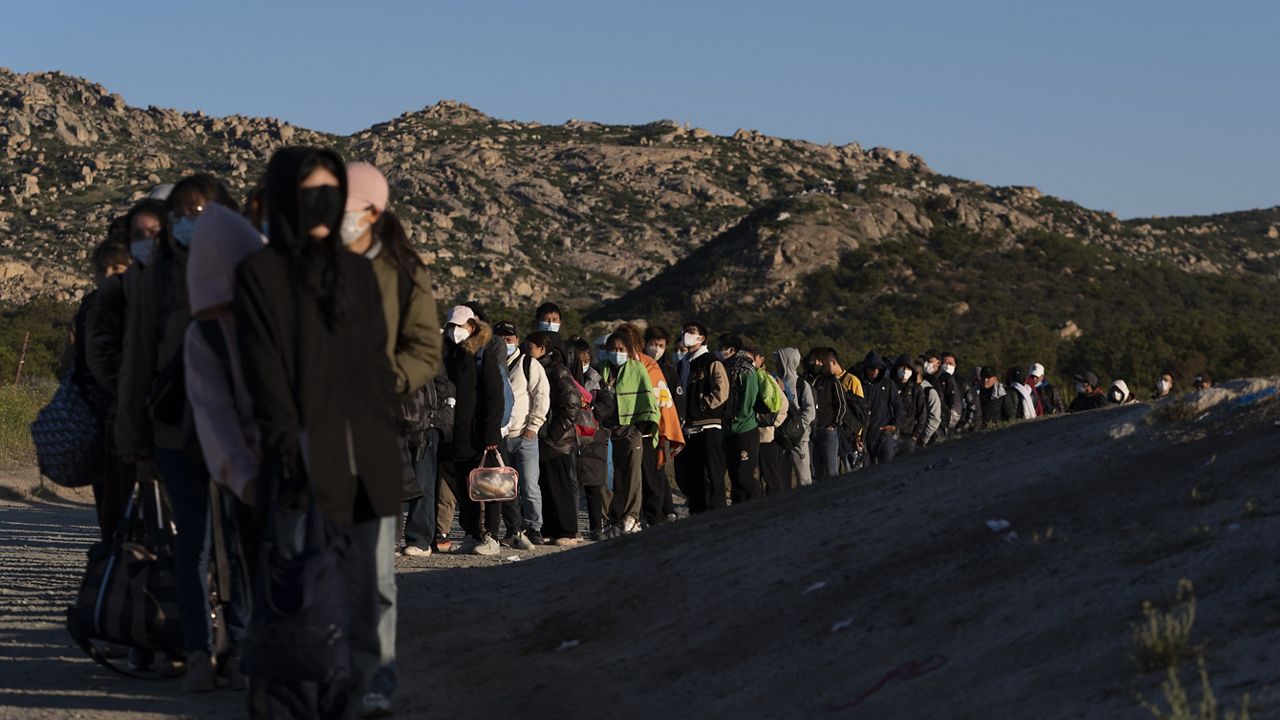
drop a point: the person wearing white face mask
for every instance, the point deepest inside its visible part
(1048, 398)
(1164, 386)
(529, 412)
(413, 346)
(704, 383)
(477, 421)
(631, 416)
(939, 371)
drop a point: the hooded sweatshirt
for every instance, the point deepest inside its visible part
(313, 342)
(884, 405)
(798, 389)
(220, 401)
(1123, 388)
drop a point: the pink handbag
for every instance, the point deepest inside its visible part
(492, 484)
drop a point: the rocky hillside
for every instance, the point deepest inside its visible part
(515, 212)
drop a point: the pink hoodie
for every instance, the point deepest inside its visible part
(224, 419)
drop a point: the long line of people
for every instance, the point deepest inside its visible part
(285, 369)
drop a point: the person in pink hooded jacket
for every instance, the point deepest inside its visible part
(220, 402)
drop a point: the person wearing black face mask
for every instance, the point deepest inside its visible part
(313, 345)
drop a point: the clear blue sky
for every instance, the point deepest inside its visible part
(1167, 107)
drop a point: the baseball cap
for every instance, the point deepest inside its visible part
(365, 186)
(460, 315)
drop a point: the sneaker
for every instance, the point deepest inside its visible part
(535, 537)
(595, 535)
(443, 544)
(671, 517)
(199, 677)
(415, 551)
(518, 541)
(565, 542)
(487, 547)
(375, 705)
(629, 526)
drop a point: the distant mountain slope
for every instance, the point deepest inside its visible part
(514, 212)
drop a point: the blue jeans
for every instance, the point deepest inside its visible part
(825, 453)
(186, 480)
(371, 584)
(420, 526)
(523, 454)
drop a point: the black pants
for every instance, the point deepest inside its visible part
(655, 489)
(474, 520)
(700, 471)
(775, 469)
(592, 468)
(111, 491)
(559, 496)
(881, 447)
(741, 456)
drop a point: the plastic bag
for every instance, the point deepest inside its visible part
(492, 484)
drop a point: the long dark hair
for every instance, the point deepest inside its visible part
(315, 264)
(395, 243)
(544, 340)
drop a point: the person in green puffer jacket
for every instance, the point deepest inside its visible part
(630, 413)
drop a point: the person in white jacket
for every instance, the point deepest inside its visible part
(529, 413)
(220, 402)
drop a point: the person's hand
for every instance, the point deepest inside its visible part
(674, 451)
(528, 434)
(889, 429)
(490, 447)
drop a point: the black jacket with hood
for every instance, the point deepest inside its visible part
(323, 388)
(884, 405)
(477, 416)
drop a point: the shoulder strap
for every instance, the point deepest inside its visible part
(527, 361)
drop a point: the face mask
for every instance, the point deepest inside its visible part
(1163, 385)
(1116, 396)
(353, 227)
(319, 206)
(459, 335)
(681, 355)
(949, 369)
(511, 350)
(546, 326)
(183, 229)
(931, 369)
(903, 374)
(585, 368)
(618, 358)
(141, 250)
(1079, 388)
(691, 340)
(654, 352)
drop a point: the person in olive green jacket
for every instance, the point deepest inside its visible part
(414, 348)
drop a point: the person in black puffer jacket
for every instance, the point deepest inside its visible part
(558, 443)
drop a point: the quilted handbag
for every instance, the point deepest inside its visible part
(68, 438)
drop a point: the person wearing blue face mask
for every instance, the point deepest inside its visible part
(548, 318)
(153, 425)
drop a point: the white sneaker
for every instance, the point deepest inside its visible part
(487, 547)
(522, 542)
(375, 705)
(630, 525)
(415, 551)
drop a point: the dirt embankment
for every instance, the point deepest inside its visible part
(881, 595)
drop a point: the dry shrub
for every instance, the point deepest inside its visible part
(1162, 638)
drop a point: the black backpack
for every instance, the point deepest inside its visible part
(854, 414)
(788, 435)
(430, 408)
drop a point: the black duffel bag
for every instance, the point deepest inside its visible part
(129, 594)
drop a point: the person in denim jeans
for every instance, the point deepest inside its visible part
(420, 524)
(532, 404)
